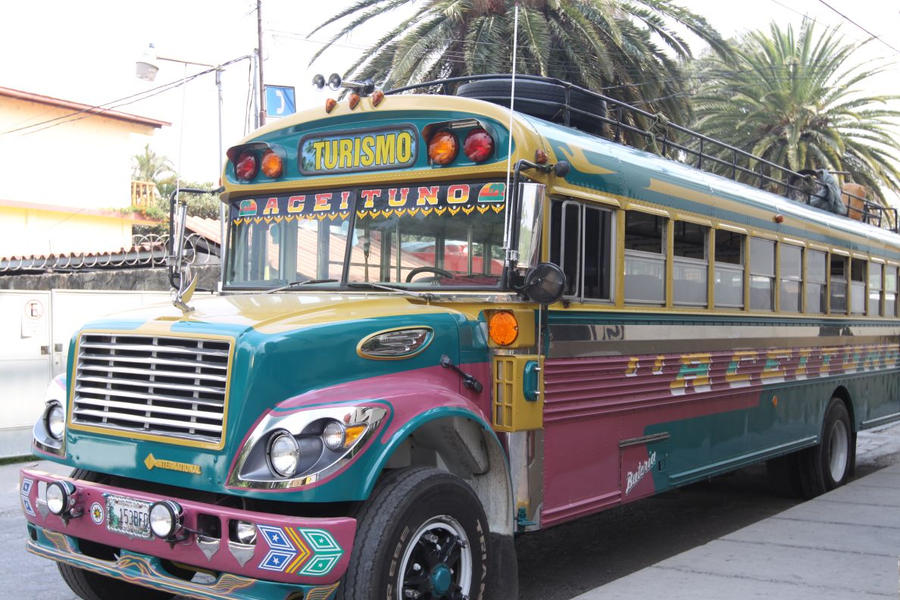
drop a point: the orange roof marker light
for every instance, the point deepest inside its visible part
(272, 164)
(442, 147)
(353, 101)
(377, 97)
(330, 104)
(503, 328)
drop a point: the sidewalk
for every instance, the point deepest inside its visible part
(843, 545)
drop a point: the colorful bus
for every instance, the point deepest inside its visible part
(443, 323)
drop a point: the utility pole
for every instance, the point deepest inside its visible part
(259, 45)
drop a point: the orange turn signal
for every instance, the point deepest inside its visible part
(272, 165)
(442, 147)
(503, 328)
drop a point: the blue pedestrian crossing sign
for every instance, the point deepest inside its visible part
(280, 101)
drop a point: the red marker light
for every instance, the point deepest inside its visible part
(246, 166)
(479, 145)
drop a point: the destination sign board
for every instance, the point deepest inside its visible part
(457, 199)
(358, 150)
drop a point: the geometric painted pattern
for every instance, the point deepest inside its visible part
(311, 552)
(26, 501)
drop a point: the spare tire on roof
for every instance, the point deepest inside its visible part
(544, 99)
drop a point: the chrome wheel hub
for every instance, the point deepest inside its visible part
(437, 562)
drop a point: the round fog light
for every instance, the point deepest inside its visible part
(284, 454)
(165, 519)
(245, 532)
(55, 421)
(59, 497)
(333, 435)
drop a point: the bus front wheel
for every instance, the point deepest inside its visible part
(830, 463)
(421, 534)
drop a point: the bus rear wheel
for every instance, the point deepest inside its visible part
(422, 534)
(829, 464)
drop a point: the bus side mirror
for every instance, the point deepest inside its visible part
(544, 283)
(531, 217)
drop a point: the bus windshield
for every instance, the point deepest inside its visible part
(415, 236)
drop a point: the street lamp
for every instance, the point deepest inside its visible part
(146, 69)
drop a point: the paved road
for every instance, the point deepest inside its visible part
(556, 564)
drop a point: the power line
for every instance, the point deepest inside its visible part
(99, 109)
(858, 26)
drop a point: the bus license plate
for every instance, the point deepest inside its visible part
(128, 516)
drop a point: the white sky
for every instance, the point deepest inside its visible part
(85, 51)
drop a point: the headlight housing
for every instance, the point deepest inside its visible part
(55, 420)
(300, 448)
(49, 432)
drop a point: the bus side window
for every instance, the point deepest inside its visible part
(890, 291)
(565, 234)
(815, 281)
(858, 286)
(838, 297)
(762, 274)
(580, 243)
(729, 288)
(875, 291)
(645, 258)
(791, 276)
(689, 268)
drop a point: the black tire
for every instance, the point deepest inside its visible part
(543, 99)
(410, 536)
(784, 475)
(830, 463)
(92, 586)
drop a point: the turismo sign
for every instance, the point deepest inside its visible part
(360, 150)
(459, 199)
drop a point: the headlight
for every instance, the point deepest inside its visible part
(284, 454)
(245, 532)
(60, 497)
(165, 519)
(333, 435)
(55, 420)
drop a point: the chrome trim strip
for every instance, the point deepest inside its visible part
(151, 408)
(151, 420)
(153, 347)
(881, 420)
(646, 439)
(155, 372)
(159, 397)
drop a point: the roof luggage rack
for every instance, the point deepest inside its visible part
(563, 102)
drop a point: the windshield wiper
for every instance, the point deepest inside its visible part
(387, 287)
(300, 283)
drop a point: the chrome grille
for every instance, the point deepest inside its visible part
(166, 386)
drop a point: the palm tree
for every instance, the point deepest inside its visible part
(794, 100)
(628, 50)
(153, 167)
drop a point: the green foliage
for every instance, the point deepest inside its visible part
(149, 166)
(624, 49)
(794, 100)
